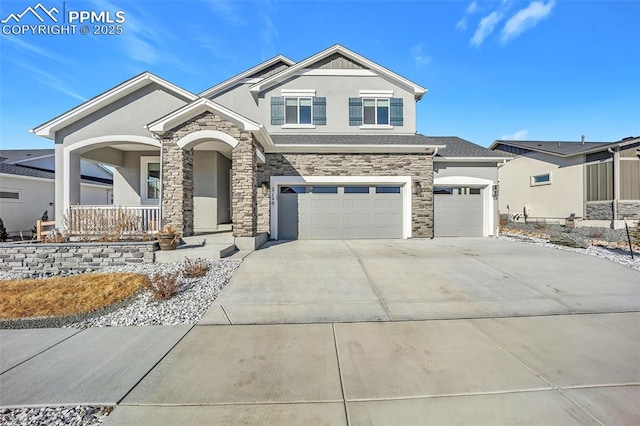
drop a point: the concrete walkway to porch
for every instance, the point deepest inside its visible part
(210, 245)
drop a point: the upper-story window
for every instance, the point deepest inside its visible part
(298, 110)
(371, 111)
(375, 111)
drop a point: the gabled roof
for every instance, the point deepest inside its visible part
(19, 155)
(291, 71)
(558, 148)
(196, 108)
(49, 128)
(457, 148)
(221, 87)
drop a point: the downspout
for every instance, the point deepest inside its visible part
(616, 183)
(433, 196)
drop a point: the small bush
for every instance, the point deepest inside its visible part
(541, 224)
(596, 234)
(43, 218)
(195, 268)
(163, 286)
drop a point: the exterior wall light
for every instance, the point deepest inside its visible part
(417, 188)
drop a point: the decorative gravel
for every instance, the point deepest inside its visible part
(186, 307)
(617, 255)
(62, 416)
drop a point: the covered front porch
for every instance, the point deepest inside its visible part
(137, 195)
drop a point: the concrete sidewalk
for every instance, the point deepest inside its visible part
(399, 280)
(573, 369)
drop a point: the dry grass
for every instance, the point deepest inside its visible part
(61, 296)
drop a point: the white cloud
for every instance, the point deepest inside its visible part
(471, 9)
(525, 19)
(419, 56)
(49, 80)
(486, 27)
(226, 9)
(517, 136)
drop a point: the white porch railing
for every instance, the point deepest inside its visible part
(110, 220)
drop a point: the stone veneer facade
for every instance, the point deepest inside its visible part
(418, 166)
(603, 210)
(73, 257)
(177, 175)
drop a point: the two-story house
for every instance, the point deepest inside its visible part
(323, 148)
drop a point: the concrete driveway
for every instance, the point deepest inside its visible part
(392, 280)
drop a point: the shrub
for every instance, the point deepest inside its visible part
(163, 286)
(3, 231)
(44, 218)
(104, 225)
(596, 234)
(195, 268)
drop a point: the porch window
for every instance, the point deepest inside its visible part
(150, 179)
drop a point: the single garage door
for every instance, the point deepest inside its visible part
(458, 212)
(339, 212)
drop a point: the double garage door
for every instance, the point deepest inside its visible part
(339, 212)
(458, 212)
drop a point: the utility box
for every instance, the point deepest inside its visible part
(570, 222)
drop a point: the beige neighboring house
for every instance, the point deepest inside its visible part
(27, 187)
(596, 181)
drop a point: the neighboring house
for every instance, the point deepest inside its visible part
(552, 180)
(27, 186)
(323, 148)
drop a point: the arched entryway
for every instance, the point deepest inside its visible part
(211, 152)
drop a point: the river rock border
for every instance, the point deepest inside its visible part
(69, 258)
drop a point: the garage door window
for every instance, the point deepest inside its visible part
(324, 189)
(293, 189)
(387, 189)
(356, 189)
(443, 191)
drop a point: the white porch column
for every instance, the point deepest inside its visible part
(71, 182)
(58, 209)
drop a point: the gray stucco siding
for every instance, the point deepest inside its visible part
(126, 178)
(127, 116)
(337, 90)
(480, 170)
(240, 100)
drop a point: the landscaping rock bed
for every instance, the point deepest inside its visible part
(603, 234)
(611, 253)
(58, 416)
(186, 307)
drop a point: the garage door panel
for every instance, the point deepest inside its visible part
(458, 215)
(342, 215)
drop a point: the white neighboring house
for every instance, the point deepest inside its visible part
(27, 187)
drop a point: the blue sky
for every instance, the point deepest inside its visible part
(547, 70)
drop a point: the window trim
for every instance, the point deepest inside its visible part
(533, 182)
(20, 198)
(375, 111)
(144, 164)
(298, 124)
